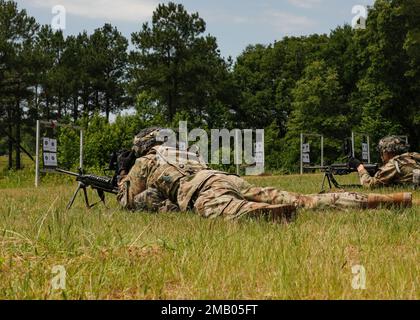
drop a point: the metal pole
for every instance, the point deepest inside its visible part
(352, 144)
(81, 149)
(237, 149)
(37, 154)
(301, 153)
(322, 150)
(368, 145)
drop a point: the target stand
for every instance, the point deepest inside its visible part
(50, 148)
(305, 150)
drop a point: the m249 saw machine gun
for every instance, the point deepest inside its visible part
(342, 169)
(102, 184)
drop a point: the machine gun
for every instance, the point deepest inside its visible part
(101, 184)
(98, 183)
(342, 169)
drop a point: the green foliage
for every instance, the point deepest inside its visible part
(108, 68)
(318, 107)
(100, 140)
(387, 93)
(148, 110)
(68, 147)
(17, 34)
(272, 147)
(180, 67)
(361, 80)
(266, 75)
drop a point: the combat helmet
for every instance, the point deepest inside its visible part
(145, 140)
(393, 144)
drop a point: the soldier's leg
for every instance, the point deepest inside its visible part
(340, 200)
(221, 198)
(314, 201)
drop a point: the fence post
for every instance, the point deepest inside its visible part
(301, 154)
(37, 154)
(81, 149)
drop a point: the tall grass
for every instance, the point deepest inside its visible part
(114, 254)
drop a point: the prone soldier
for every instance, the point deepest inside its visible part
(398, 164)
(153, 179)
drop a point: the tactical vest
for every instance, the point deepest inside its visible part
(405, 164)
(171, 166)
(178, 174)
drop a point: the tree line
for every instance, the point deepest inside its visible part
(363, 80)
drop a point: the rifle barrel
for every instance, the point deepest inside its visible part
(74, 174)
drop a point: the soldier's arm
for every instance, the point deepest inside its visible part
(151, 200)
(384, 177)
(133, 184)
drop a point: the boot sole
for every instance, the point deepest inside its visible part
(281, 213)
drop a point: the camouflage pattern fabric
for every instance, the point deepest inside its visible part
(398, 170)
(158, 182)
(162, 169)
(393, 144)
(340, 200)
(232, 197)
(145, 140)
(160, 176)
(219, 196)
(151, 200)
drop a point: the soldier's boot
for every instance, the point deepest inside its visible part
(277, 213)
(403, 200)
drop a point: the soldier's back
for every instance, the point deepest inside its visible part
(170, 166)
(405, 164)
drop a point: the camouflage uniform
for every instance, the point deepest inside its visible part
(398, 170)
(339, 200)
(159, 181)
(152, 200)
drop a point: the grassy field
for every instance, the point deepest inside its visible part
(113, 254)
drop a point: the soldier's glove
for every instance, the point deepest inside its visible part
(354, 163)
(125, 161)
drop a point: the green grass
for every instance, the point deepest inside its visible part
(113, 254)
(25, 160)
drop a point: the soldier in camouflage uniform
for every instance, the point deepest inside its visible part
(167, 179)
(398, 167)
